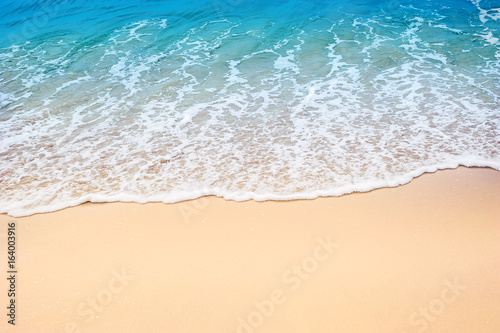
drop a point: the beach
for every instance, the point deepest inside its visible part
(231, 166)
(421, 257)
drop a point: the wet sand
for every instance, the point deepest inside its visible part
(422, 257)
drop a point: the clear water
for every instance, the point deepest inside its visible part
(171, 100)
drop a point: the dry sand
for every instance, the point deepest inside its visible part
(423, 257)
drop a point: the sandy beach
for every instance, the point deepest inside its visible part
(114, 115)
(422, 257)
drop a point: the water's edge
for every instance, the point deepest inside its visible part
(239, 197)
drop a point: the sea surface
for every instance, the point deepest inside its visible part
(269, 100)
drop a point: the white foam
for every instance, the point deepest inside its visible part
(287, 62)
(488, 37)
(19, 209)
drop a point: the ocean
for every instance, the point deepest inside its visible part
(146, 101)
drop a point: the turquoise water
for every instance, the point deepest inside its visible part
(171, 100)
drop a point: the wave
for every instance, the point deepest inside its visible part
(243, 105)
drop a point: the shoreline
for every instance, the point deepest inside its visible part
(365, 187)
(420, 257)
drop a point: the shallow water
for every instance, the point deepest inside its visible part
(167, 101)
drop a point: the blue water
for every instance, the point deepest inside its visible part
(171, 100)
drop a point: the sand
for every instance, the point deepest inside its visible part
(423, 257)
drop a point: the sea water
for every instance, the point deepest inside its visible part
(268, 100)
